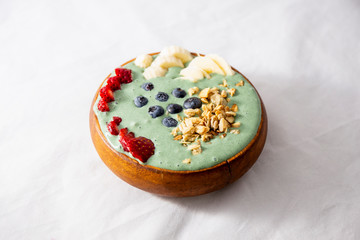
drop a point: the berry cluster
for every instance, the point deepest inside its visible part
(173, 108)
(139, 147)
(123, 75)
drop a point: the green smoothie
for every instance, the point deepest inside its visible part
(169, 154)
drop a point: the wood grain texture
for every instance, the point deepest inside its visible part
(178, 183)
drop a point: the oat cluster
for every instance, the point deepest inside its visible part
(215, 117)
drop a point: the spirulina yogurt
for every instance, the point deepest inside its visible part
(170, 154)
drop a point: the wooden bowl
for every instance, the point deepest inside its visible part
(178, 183)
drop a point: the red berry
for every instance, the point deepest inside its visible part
(124, 74)
(103, 106)
(114, 83)
(141, 148)
(112, 127)
(117, 120)
(107, 94)
(125, 137)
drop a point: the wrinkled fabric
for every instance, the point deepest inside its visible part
(302, 56)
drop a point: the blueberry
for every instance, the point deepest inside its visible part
(156, 111)
(174, 108)
(179, 93)
(169, 122)
(140, 101)
(162, 97)
(147, 86)
(193, 103)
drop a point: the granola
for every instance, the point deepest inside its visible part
(231, 91)
(187, 161)
(215, 117)
(193, 90)
(241, 83)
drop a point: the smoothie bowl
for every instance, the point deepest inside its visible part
(177, 123)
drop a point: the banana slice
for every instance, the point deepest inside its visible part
(154, 72)
(222, 64)
(206, 74)
(193, 73)
(143, 61)
(206, 64)
(179, 52)
(166, 61)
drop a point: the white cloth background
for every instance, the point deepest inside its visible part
(302, 56)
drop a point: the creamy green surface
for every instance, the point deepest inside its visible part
(169, 153)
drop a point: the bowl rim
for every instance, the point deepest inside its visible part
(131, 160)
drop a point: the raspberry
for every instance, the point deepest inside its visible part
(114, 83)
(112, 127)
(141, 148)
(117, 120)
(125, 137)
(103, 106)
(107, 94)
(124, 74)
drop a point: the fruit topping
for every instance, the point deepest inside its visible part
(125, 138)
(162, 97)
(169, 122)
(117, 120)
(174, 108)
(206, 64)
(143, 61)
(222, 64)
(166, 61)
(193, 73)
(124, 74)
(192, 103)
(141, 148)
(147, 86)
(140, 101)
(114, 83)
(112, 127)
(156, 111)
(107, 94)
(178, 93)
(103, 106)
(179, 52)
(154, 72)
